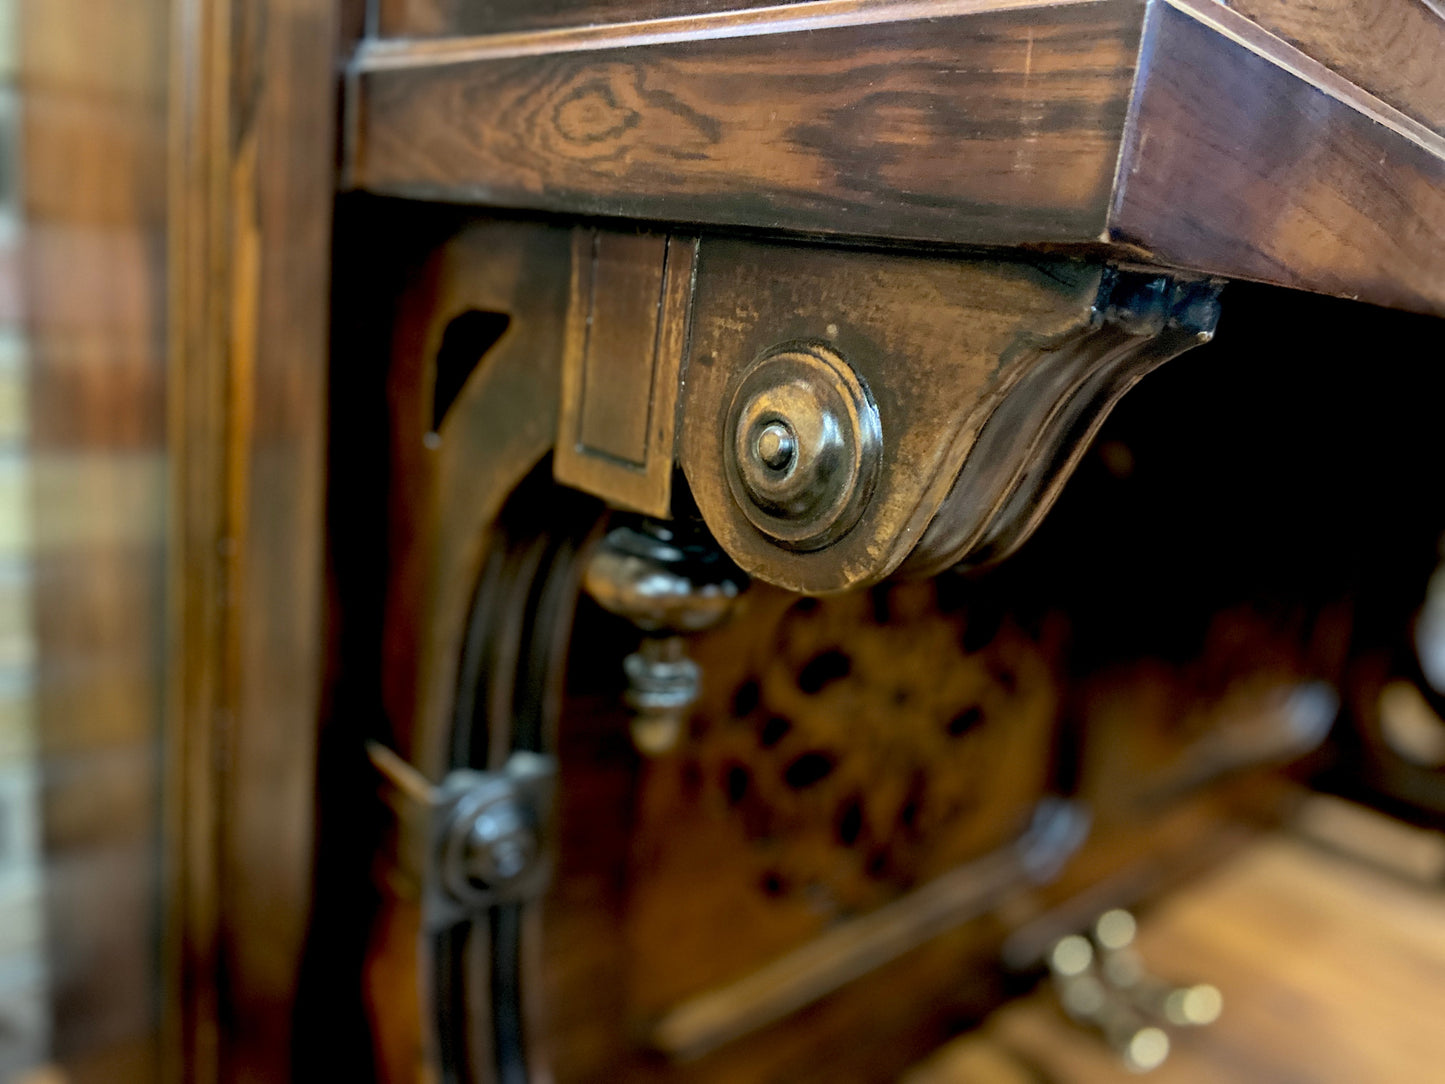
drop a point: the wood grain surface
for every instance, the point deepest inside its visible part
(998, 127)
(1395, 49)
(1237, 166)
(251, 188)
(1238, 153)
(83, 524)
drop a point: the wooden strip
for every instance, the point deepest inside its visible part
(838, 956)
(384, 54)
(1235, 165)
(999, 128)
(1240, 155)
(854, 948)
(619, 347)
(434, 18)
(627, 319)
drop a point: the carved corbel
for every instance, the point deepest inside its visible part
(842, 415)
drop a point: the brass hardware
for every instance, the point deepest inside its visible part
(662, 683)
(1090, 1000)
(1102, 983)
(665, 586)
(804, 443)
(488, 827)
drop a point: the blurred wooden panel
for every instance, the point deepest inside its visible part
(91, 167)
(993, 126)
(1236, 165)
(1395, 49)
(1330, 971)
(252, 177)
(844, 753)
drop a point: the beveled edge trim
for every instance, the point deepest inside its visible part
(1248, 34)
(397, 54)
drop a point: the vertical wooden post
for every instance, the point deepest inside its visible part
(252, 172)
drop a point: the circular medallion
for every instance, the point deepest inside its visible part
(802, 445)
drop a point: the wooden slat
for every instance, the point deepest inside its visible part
(995, 126)
(627, 328)
(1239, 165)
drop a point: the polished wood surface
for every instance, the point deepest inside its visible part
(677, 852)
(628, 323)
(172, 277)
(1234, 165)
(176, 179)
(909, 326)
(932, 122)
(1391, 48)
(250, 201)
(1237, 154)
(437, 18)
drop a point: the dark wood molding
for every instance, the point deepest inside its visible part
(441, 23)
(387, 54)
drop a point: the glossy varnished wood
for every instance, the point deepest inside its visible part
(1237, 165)
(1395, 49)
(1391, 48)
(627, 328)
(251, 184)
(1212, 144)
(942, 122)
(1329, 969)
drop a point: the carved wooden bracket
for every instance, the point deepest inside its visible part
(840, 413)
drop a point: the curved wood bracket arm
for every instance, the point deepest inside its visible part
(1037, 434)
(960, 394)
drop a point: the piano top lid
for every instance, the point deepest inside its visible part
(1175, 132)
